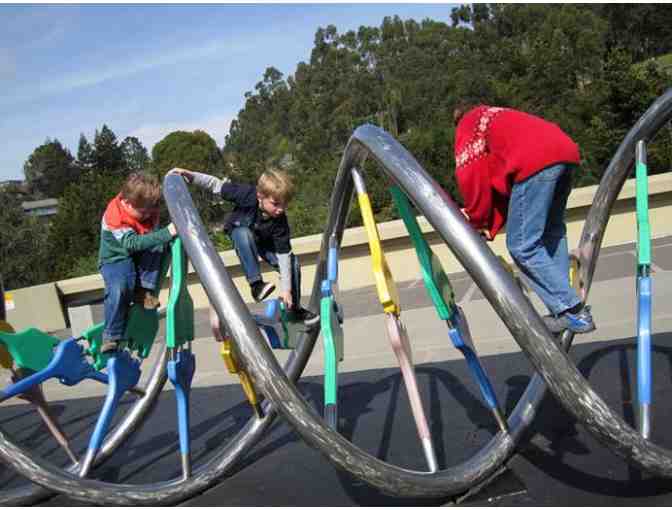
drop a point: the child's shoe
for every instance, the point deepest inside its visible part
(145, 297)
(579, 322)
(261, 290)
(308, 318)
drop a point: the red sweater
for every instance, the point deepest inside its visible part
(498, 147)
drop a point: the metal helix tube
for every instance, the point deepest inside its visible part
(267, 374)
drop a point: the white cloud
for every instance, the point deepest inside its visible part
(219, 48)
(145, 63)
(217, 126)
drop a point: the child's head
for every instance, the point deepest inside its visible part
(141, 194)
(274, 191)
(462, 107)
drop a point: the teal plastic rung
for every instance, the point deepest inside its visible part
(180, 310)
(332, 333)
(31, 348)
(436, 281)
(642, 197)
(141, 330)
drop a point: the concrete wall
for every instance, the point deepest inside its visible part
(40, 308)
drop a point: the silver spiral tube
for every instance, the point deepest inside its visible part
(268, 376)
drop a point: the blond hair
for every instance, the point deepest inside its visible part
(276, 184)
(142, 190)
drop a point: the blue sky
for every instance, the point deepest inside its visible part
(148, 70)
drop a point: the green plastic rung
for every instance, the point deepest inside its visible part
(333, 348)
(291, 328)
(436, 281)
(643, 226)
(142, 327)
(141, 330)
(180, 310)
(31, 348)
(284, 323)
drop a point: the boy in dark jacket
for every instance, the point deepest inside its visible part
(130, 253)
(258, 227)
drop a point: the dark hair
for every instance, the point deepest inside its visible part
(460, 108)
(142, 190)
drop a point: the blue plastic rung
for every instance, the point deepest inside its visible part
(272, 334)
(644, 339)
(332, 264)
(325, 288)
(68, 364)
(272, 310)
(459, 334)
(181, 374)
(123, 374)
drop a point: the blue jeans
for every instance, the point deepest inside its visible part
(536, 235)
(249, 251)
(121, 278)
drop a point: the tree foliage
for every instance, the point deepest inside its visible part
(134, 155)
(195, 151)
(25, 257)
(75, 232)
(49, 169)
(558, 61)
(592, 69)
(107, 152)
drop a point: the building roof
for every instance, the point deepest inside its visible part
(39, 204)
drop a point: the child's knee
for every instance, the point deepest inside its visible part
(242, 235)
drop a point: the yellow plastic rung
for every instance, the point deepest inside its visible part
(574, 274)
(228, 357)
(387, 289)
(232, 366)
(249, 390)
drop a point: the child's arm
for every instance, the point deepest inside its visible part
(284, 263)
(283, 250)
(205, 181)
(135, 242)
(474, 185)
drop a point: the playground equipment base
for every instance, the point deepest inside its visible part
(558, 464)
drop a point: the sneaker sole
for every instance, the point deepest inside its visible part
(265, 294)
(581, 330)
(312, 322)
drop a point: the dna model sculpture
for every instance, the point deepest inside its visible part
(247, 342)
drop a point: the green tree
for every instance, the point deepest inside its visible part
(25, 257)
(86, 159)
(49, 169)
(135, 156)
(644, 30)
(107, 152)
(74, 236)
(195, 151)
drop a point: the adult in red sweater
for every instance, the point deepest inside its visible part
(514, 166)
